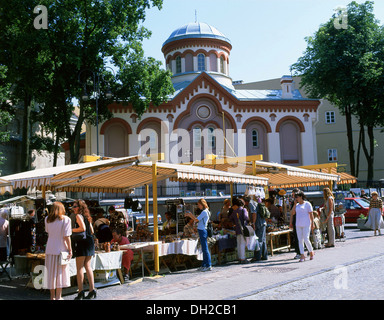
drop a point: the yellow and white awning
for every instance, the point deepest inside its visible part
(5, 186)
(120, 175)
(278, 175)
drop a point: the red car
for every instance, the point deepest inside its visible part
(355, 207)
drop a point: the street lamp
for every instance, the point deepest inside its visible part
(96, 90)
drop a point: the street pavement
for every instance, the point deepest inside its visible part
(349, 271)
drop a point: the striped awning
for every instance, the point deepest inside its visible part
(5, 186)
(278, 175)
(345, 178)
(188, 173)
(120, 175)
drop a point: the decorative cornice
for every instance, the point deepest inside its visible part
(187, 43)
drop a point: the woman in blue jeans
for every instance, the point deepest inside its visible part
(202, 220)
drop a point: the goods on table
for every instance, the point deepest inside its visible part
(141, 234)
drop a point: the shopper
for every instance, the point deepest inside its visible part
(329, 207)
(101, 228)
(117, 220)
(292, 224)
(202, 220)
(304, 223)
(4, 225)
(316, 233)
(84, 249)
(260, 225)
(58, 227)
(375, 220)
(240, 218)
(224, 212)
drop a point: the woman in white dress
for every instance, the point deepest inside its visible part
(58, 227)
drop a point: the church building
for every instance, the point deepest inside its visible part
(206, 114)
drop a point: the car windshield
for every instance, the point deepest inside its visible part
(363, 202)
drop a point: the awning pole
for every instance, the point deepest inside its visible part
(146, 203)
(155, 224)
(330, 183)
(43, 194)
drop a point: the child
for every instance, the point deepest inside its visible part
(316, 233)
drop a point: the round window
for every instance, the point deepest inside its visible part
(203, 112)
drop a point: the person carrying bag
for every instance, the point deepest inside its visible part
(239, 217)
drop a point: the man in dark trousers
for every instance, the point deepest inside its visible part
(260, 226)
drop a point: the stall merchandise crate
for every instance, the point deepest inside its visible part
(104, 275)
(249, 254)
(214, 259)
(231, 256)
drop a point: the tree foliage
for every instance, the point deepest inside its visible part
(345, 66)
(82, 35)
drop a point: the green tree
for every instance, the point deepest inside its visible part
(24, 69)
(5, 110)
(345, 66)
(86, 35)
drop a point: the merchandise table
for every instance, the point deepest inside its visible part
(101, 262)
(275, 235)
(140, 246)
(187, 247)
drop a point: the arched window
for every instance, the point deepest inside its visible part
(200, 62)
(153, 140)
(197, 137)
(188, 62)
(178, 64)
(255, 139)
(222, 65)
(211, 138)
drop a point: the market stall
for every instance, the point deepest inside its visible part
(123, 175)
(280, 177)
(106, 267)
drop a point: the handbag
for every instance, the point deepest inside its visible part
(244, 230)
(64, 258)
(78, 236)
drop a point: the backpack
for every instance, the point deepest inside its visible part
(209, 226)
(263, 211)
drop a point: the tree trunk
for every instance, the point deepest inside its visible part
(56, 151)
(358, 151)
(351, 150)
(25, 157)
(369, 154)
(74, 138)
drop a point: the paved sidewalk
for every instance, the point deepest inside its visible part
(227, 282)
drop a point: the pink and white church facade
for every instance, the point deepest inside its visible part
(206, 114)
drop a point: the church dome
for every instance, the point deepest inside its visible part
(196, 30)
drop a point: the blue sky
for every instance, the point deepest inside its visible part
(267, 36)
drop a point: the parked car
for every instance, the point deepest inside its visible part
(355, 207)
